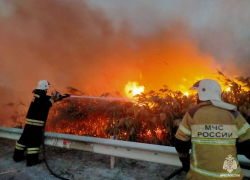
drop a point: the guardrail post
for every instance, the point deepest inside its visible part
(113, 159)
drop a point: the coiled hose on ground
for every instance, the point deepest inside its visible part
(46, 162)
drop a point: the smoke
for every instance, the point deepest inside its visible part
(75, 43)
(221, 28)
(227, 37)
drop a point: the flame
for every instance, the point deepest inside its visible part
(133, 88)
(149, 133)
(186, 93)
(158, 132)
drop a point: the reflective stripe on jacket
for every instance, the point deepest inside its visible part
(39, 108)
(213, 133)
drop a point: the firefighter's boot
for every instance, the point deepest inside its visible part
(19, 153)
(32, 157)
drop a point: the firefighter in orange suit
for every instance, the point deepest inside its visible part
(32, 135)
(213, 130)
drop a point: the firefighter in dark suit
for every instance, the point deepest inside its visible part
(31, 138)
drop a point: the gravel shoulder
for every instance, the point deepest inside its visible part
(79, 165)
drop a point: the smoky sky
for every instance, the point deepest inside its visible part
(221, 27)
(98, 46)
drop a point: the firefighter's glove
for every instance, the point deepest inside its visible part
(55, 96)
(185, 163)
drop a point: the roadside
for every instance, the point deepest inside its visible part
(80, 165)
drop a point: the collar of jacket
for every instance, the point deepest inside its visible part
(39, 92)
(202, 103)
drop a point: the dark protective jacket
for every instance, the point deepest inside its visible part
(36, 119)
(213, 134)
(39, 107)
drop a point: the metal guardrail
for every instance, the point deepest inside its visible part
(131, 150)
(138, 151)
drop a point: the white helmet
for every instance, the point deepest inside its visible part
(209, 89)
(43, 85)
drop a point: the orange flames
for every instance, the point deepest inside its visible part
(133, 88)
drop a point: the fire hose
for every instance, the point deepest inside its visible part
(45, 158)
(100, 98)
(178, 171)
(61, 96)
(47, 165)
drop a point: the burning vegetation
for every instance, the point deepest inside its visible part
(152, 117)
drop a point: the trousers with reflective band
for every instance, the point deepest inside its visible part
(20, 146)
(34, 122)
(33, 150)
